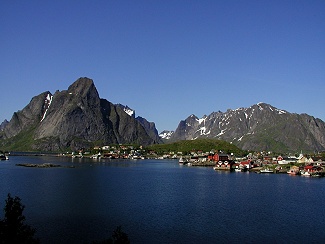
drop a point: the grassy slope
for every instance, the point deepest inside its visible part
(204, 145)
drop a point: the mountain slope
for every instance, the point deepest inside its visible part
(73, 118)
(259, 127)
(3, 124)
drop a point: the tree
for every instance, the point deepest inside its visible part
(12, 227)
(118, 237)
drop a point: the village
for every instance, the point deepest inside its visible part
(263, 162)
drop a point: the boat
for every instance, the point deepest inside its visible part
(305, 173)
(316, 174)
(294, 170)
(266, 170)
(96, 156)
(3, 157)
(181, 161)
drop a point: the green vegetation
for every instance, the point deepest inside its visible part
(204, 145)
(12, 227)
(20, 142)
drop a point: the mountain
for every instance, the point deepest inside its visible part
(74, 118)
(259, 127)
(126, 109)
(150, 127)
(3, 124)
(166, 134)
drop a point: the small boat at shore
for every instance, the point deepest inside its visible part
(266, 170)
(3, 157)
(181, 161)
(305, 173)
(293, 172)
(316, 174)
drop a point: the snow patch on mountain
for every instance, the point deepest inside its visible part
(47, 104)
(166, 134)
(129, 111)
(202, 119)
(203, 130)
(281, 111)
(221, 133)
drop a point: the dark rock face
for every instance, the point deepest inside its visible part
(259, 127)
(75, 118)
(150, 128)
(3, 124)
(28, 117)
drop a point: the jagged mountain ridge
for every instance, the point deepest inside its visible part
(259, 127)
(3, 124)
(75, 118)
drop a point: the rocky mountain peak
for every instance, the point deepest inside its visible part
(81, 86)
(75, 118)
(4, 124)
(258, 127)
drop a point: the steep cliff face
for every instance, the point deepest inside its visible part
(259, 127)
(28, 117)
(150, 128)
(3, 124)
(74, 118)
(122, 127)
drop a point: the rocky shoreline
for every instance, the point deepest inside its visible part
(44, 165)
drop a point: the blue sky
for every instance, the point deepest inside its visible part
(167, 59)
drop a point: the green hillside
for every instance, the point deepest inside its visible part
(205, 145)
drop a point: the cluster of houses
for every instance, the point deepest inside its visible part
(111, 152)
(301, 165)
(218, 160)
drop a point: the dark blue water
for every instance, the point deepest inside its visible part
(158, 201)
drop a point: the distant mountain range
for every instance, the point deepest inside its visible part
(72, 119)
(79, 118)
(259, 127)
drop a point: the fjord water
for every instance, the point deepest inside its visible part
(159, 201)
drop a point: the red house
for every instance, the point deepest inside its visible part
(312, 169)
(218, 157)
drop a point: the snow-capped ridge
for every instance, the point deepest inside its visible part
(248, 127)
(166, 134)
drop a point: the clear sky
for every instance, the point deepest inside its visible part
(167, 59)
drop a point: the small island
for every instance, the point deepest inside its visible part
(44, 165)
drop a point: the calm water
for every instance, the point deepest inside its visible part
(159, 201)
